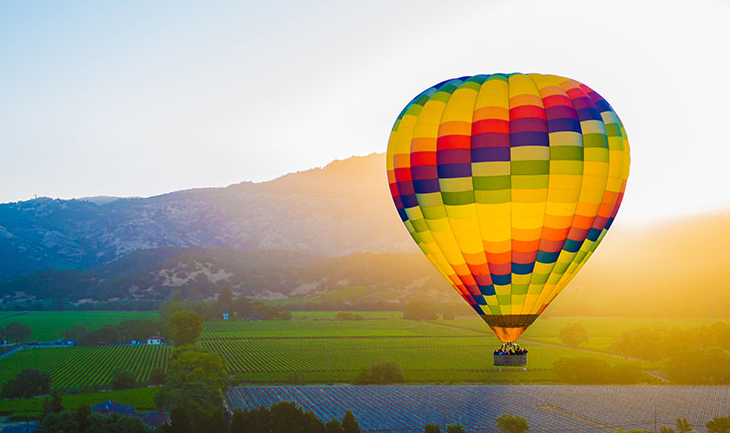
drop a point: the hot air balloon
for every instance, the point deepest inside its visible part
(508, 183)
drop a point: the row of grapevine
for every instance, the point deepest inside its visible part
(85, 366)
(277, 355)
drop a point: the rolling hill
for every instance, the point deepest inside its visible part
(322, 234)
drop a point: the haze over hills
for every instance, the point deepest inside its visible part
(339, 209)
(324, 234)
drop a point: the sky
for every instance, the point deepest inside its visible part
(140, 98)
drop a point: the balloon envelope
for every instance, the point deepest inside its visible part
(508, 183)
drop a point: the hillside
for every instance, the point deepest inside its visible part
(363, 278)
(340, 209)
(327, 235)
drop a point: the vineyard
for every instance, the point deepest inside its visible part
(319, 329)
(50, 325)
(318, 350)
(422, 359)
(82, 367)
(547, 408)
(142, 399)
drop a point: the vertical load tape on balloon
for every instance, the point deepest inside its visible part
(508, 183)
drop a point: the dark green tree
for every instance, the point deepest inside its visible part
(455, 428)
(52, 404)
(573, 335)
(74, 333)
(27, 383)
(225, 300)
(286, 417)
(184, 327)
(432, 428)
(333, 426)
(380, 373)
(17, 332)
(349, 423)
(122, 379)
(169, 308)
(718, 425)
(194, 374)
(683, 426)
(157, 377)
(418, 311)
(81, 415)
(508, 423)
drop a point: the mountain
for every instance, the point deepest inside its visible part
(340, 209)
(324, 234)
(362, 278)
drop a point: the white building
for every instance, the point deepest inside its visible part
(155, 339)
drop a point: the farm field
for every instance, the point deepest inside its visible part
(85, 367)
(327, 351)
(425, 359)
(320, 329)
(49, 325)
(602, 331)
(547, 408)
(143, 399)
(316, 315)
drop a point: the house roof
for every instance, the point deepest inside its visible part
(152, 419)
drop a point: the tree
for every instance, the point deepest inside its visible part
(573, 335)
(333, 426)
(455, 428)
(380, 373)
(75, 333)
(240, 421)
(27, 383)
(122, 379)
(710, 366)
(508, 423)
(718, 425)
(432, 428)
(348, 315)
(185, 327)
(194, 374)
(53, 404)
(225, 300)
(17, 332)
(157, 377)
(417, 311)
(169, 308)
(581, 370)
(285, 417)
(683, 426)
(349, 423)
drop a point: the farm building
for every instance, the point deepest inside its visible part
(155, 339)
(151, 419)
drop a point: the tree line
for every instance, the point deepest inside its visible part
(696, 355)
(15, 333)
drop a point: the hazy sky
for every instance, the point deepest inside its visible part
(141, 98)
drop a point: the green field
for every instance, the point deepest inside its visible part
(602, 331)
(143, 399)
(317, 315)
(85, 367)
(422, 359)
(305, 328)
(49, 325)
(319, 350)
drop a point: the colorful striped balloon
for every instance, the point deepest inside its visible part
(508, 183)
